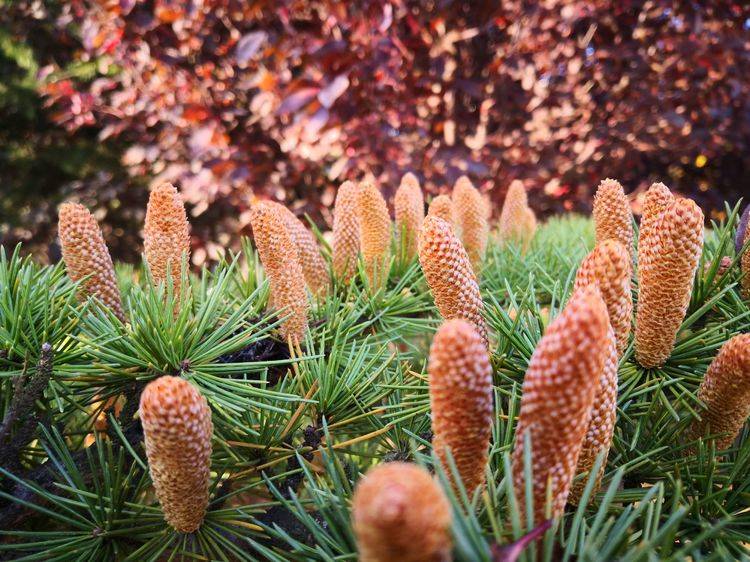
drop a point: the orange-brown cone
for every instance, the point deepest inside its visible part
(743, 235)
(85, 254)
(442, 207)
(166, 236)
(612, 215)
(449, 274)
(461, 400)
(725, 391)
(657, 199)
(667, 258)
(177, 430)
(409, 209)
(609, 267)
(558, 393)
(514, 219)
(345, 232)
(470, 212)
(374, 233)
(529, 227)
(279, 256)
(400, 513)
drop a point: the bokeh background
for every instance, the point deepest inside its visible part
(233, 100)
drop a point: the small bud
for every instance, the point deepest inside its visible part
(345, 232)
(612, 215)
(442, 207)
(177, 430)
(470, 212)
(400, 513)
(374, 233)
(409, 208)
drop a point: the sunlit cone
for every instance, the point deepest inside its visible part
(442, 207)
(461, 400)
(85, 254)
(512, 226)
(279, 256)
(601, 425)
(667, 258)
(558, 392)
(470, 213)
(400, 513)
(177, 432)
(725, 391)
(312, 262)
(345, 232)
(743, 235)
(449, 274)
(409, 210)
(609, 267)
(374, 233)
(657, 199)
(613, 217)
(166, 236)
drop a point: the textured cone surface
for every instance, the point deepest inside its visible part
(345, 232)
(85, 254)
(601, 426)
(558, 393)
(441, 207)
(400, 513)
(529, 227)
(668, 259)
(609, 267)
(725, 391)
(514, 218)
(449, 274)
(657, 200)
(308, 252)
(409, 209)
(743, 235)
(374, 233)
(279, 256)
(612, 215)
(461, 400)
(177, 430)
(470, 213)
(166, 236)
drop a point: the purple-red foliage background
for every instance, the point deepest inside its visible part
(232, 100)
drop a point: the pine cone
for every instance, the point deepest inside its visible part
(461, 399)
(529, 227)
(658, 198)
(668, 258)
(561, 382)
(601, 426)
(313, 265)
(177, 431)
(612, 215)
(512, 225)
(166, 236)
(85, 254)
(400, 513)
(374, 233)
(610, 268)
(345, 232)
(442, 207)
(743, 235)
(470, 212)
(409, 207)
(449, 274)
(725, 391)
(279, 256)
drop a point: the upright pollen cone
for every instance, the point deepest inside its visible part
(374, 233)
(470, 212)
(514, 217)
(529, 225)
(442, 207)
(400, 513)
(166, 236)
(743, 236)
(601, 426)
(461, 400)
(177, 430)
(312, 262)
(279, 256)
(561, 382)
(409, 208)
(85, 254)
(609, 267)
(658, 198)
(667, 258)
(449, 274)
(725, 391)
(613, 217)
(345, 232)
